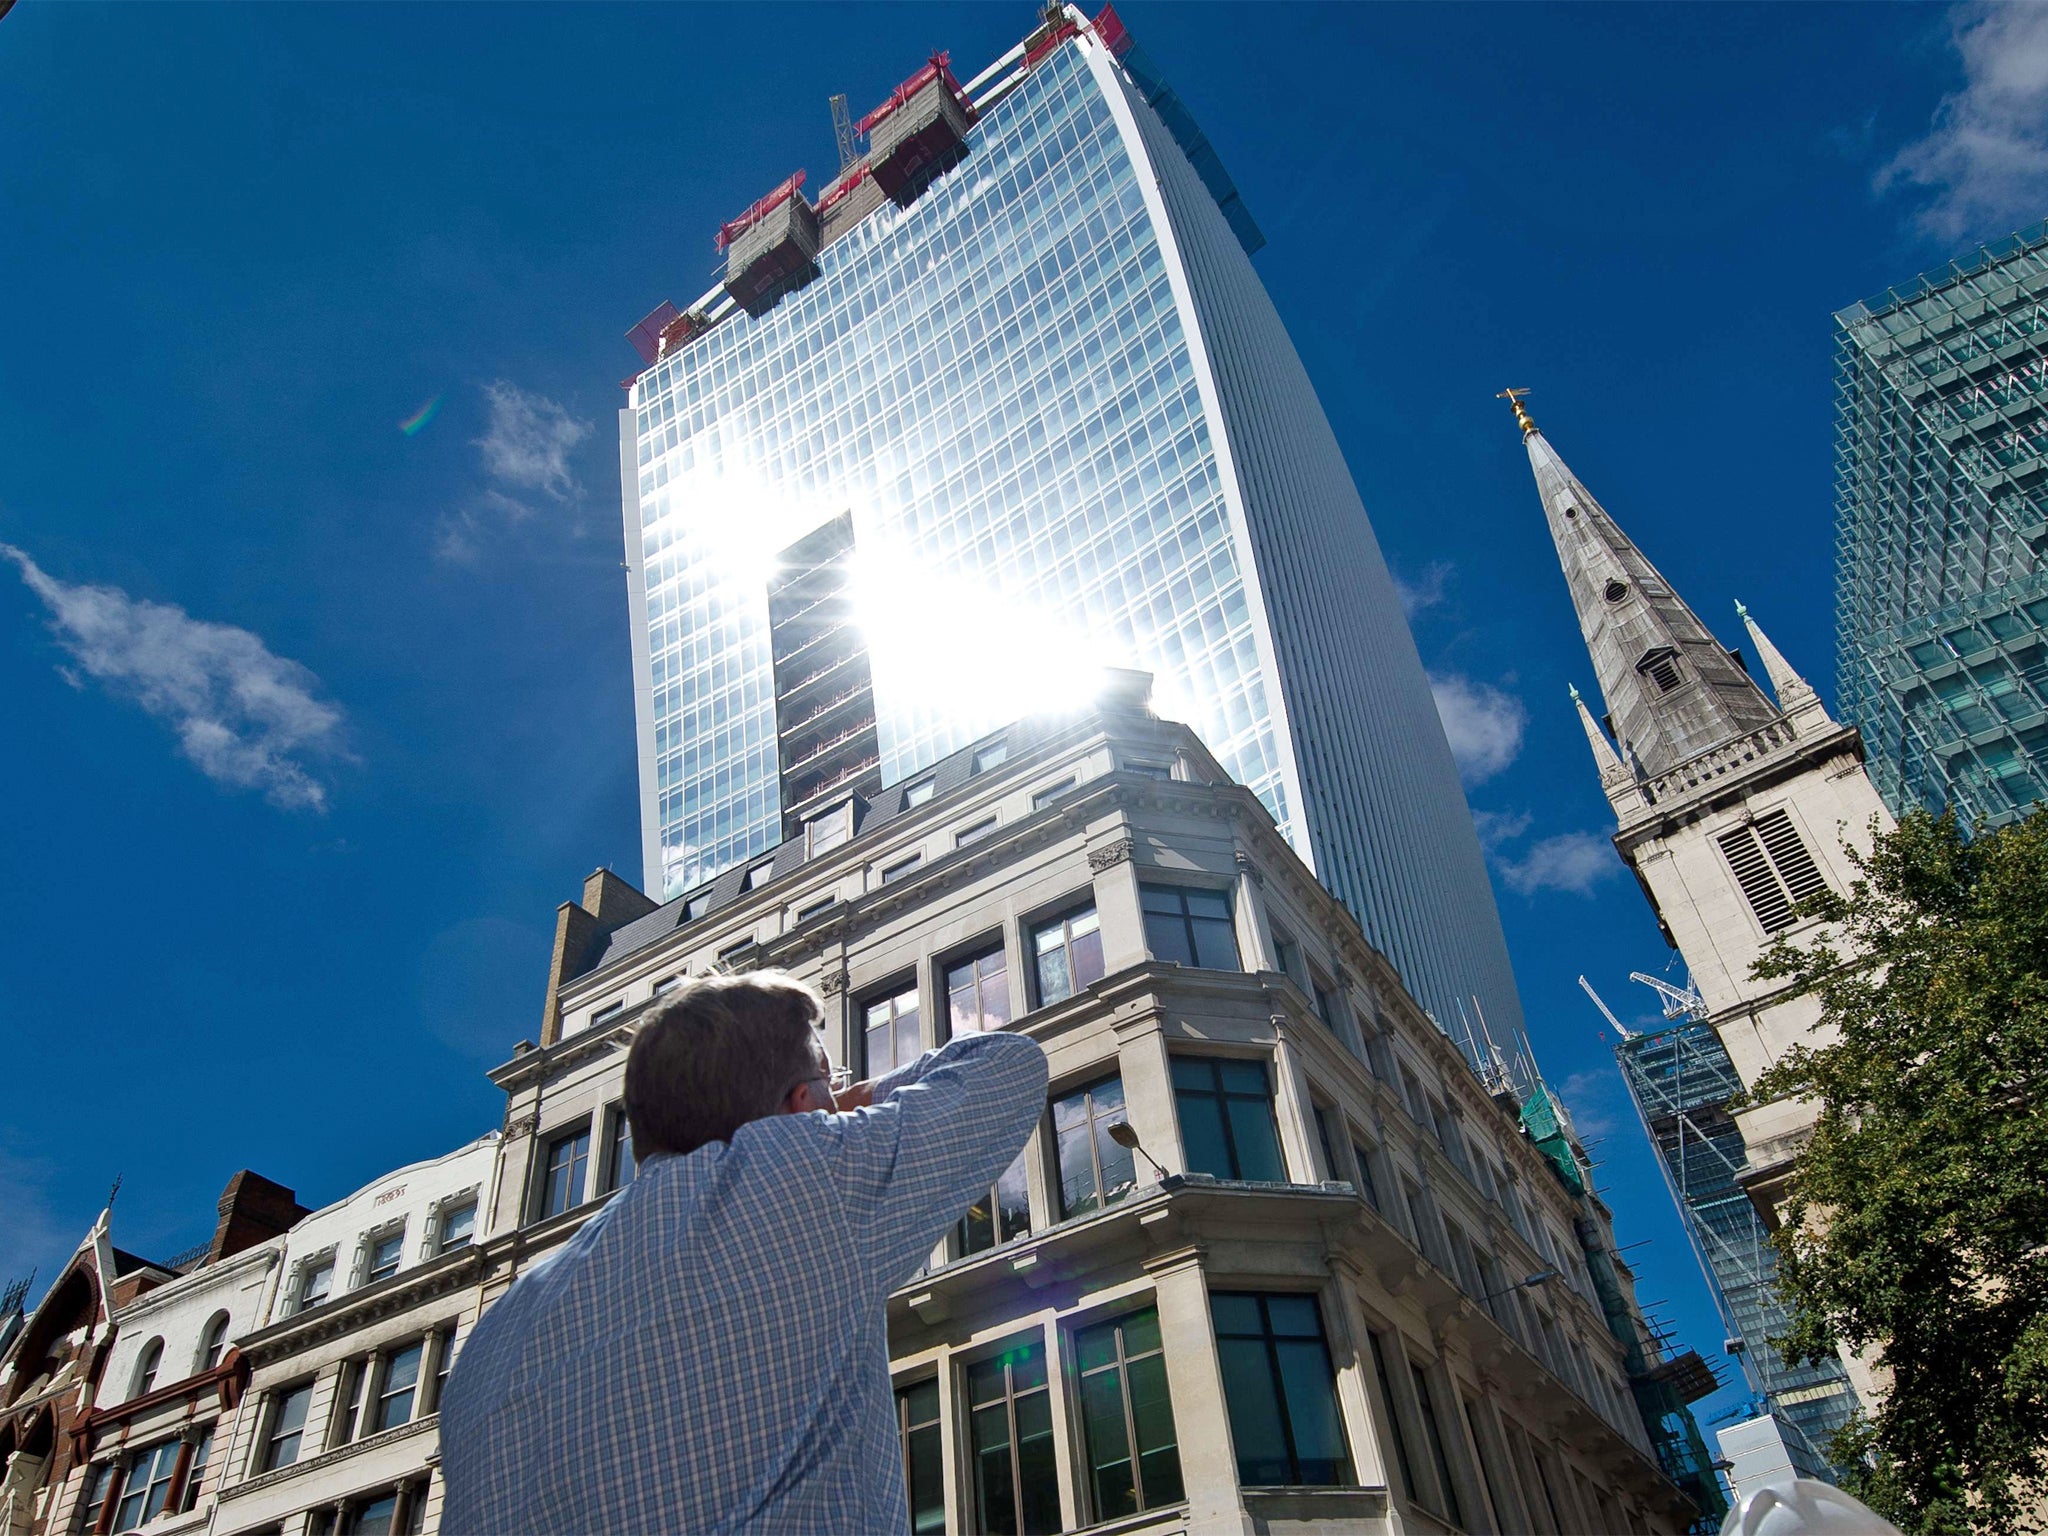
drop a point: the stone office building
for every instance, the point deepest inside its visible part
(338, 1436)
(1328, 1285)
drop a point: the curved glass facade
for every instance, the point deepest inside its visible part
(1037, 390)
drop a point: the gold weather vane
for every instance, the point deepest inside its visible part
(1514, 398)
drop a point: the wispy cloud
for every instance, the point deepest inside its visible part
(1570, 861)
(30, 1239)
(526, 452)
(1986, 157)
(1426, 591)
(1483, 724)
(1595, 1099)
(1497, 827)
(529, 441)
(242, 716)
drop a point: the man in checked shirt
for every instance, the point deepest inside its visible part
(710, 1352)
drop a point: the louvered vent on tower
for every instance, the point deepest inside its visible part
(1773, 867)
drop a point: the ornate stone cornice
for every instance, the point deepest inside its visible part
(426, 1424)
(1123, 850)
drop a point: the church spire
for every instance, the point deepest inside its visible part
(1605, 758)
(1672, 692)
(1792, 690)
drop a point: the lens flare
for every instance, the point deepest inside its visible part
(419, 418)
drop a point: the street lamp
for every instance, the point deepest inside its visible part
(1125, 1135)
(1541, 1277)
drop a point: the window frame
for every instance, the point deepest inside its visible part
(1097, 1124)
(1087, 1472)
(442, 1242)
(977, 831)
(381, 1394)
(575, 1194)
(1021, 1344)
(1223, 1098)
(151, 1492)
(1017, 1175)
(1187, 920)
(971, 959)
(618, 1149)
(905, 1428)
(991, 755)
(100, 1481)
(441, 1354)
(1064, 920)
(213, 1342)
(303, 1299)
(195, 1469)
(148, 1365)
(1378, 1342)
(890, 995)
(373, 1242)
(1346, 1463)
(1449, 1505)
(1041, 798)
(273, 1417)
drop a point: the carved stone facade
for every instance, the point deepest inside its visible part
(1375, 1187)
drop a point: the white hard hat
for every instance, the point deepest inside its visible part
(1801, 1506)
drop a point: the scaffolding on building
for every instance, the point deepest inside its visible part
(1681, 1082)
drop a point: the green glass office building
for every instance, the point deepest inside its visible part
(1941, 589)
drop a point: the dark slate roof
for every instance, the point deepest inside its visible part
(126, 1263)
(948, 774)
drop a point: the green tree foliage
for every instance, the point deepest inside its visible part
(1918, 1218)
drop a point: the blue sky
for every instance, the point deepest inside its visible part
(310, 722)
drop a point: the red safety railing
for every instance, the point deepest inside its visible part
(731, 231)
(839, 189)
(936, 68)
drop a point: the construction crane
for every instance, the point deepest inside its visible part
(842, 130)
(1620, 1028)
(1679, 1002)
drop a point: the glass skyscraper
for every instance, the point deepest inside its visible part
(1941, 592)
(1044, 382)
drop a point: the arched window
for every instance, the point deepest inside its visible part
(214, 1342)
(145, 1368)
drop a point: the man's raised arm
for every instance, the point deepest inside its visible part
(939, 1132)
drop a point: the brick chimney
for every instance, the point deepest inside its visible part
(252, 1209)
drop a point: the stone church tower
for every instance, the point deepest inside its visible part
(1733, 806)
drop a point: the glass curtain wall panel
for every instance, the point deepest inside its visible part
(1941, 480)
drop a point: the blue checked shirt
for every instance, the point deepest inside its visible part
(710, 1352)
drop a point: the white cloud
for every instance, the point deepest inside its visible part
(1570, 861)
(525, 450)
(1483, 724)
(529, 442)
(1986, 157)
(242, 716)
(1497, 827)
(1427, 591)
(463, 533)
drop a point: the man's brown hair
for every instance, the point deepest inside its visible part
(717, 1052)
